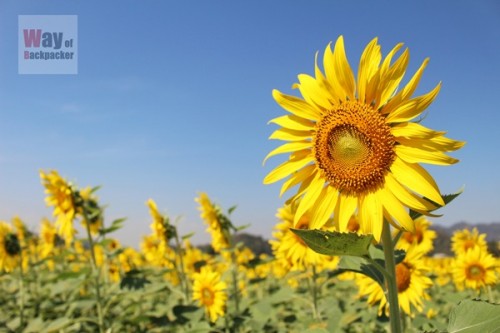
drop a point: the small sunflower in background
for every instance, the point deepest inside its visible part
(412, 283)
(158, 223)
(474, 269)
(464, 240)
(356, 145)
(289, 249)
(10, 248)
(210, 292)
(422, 237)
(60, 195)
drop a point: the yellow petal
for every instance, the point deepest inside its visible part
(412, 108)
(310, 197)
(287, 168)
(390, 78)
(286, 134)
(297, 178)
(370, 215)
(395, 210)
(324, 207)
(297, 106)
(293, 122)
(416, 179)
(346, 206)
(325, 85)
(414, 131)
(312, 92)
(287, 148)
(407, 91)
(338, 71)
(368, 66)
(406, 197)
(415, 155)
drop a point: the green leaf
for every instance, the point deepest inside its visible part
(360, 265)
(35, 325)
(191, 234)
(447, 198)
(335, 243)
(472, 316)
(115, 225)
(134, 279)
(57, 325)
(231, 209)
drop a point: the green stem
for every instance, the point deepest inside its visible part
(315, 292)
(182, 273)
(21, 290)
(234, 274)
(96, 273)
(391, 283)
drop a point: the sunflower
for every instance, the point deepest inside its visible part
(474, 269)
(289, 249)
(158, 225)
(210, 292)
(217, 223)
(422, 237)
(10, 248)
(411, 282)
(464, 240)
(356, 145)
(60, 194)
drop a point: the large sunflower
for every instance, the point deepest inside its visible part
(355, 145)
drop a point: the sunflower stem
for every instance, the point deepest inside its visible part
(391, 283)
(21, 290)
(96, 273)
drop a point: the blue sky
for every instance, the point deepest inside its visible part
(173, 98)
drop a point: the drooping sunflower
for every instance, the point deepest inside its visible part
(355, 145)
(158, 225)
(411, 280)
(216, 221)
(60, 195)
(10, 248)
(464, 240)
(474, 269)
(210, 292)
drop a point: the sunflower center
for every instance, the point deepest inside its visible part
(403, 277)
(354, 147)
(207, 296)
(12, 246)
(412, 237)
(475, 272)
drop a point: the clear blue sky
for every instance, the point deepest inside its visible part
(173, 97)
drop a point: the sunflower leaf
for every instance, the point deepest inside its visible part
(335, 243)
(471, 316)
(447, 198)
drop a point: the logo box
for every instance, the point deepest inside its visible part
(48, 44)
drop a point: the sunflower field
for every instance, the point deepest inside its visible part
(55, 280)
(350, 250)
